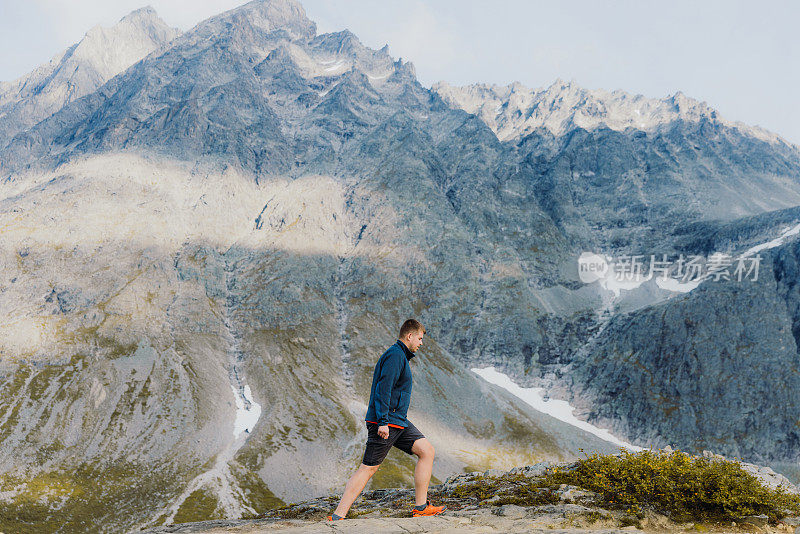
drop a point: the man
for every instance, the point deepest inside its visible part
(387, 424)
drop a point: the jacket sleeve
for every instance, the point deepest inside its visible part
(390, 372)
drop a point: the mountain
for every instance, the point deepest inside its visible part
(716, 367)
(80, 70)
(515, 111)
(204, 257)
(167, 287)
(668, 176)
(623, 171)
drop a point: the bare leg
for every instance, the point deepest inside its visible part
(354, 487)
(422, 472)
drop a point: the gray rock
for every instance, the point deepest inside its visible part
(511, 511)
(574, 493)
(757, 520)
(534, 470)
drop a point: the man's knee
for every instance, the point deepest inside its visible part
(423, 448)
(371, 469)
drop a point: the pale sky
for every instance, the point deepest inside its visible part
(741, 57)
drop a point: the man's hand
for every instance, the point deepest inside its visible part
(383, 431)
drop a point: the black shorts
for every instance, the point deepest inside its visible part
(378, 448)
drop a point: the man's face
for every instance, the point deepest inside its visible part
(414, 340)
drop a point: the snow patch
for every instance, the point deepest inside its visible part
(558, 409)
(611, 283)
(336, 66)
(787, 232)
(248, 411)
(672, 284)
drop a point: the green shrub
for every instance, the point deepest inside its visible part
(674, 483)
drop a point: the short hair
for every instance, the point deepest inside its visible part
(411, 326)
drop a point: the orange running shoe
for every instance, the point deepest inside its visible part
(330, 518)
(429, 510)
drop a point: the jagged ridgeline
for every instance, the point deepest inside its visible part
(209, 237)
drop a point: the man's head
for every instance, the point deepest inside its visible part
(411, 334)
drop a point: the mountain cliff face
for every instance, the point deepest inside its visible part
(80, 70)
(204, 256)
(714, 368)
(625, 170)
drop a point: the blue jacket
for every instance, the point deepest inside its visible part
(391, 387)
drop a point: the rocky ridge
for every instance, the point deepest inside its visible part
(514, 111)
(571, 509)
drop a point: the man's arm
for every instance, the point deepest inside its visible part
(390, 372)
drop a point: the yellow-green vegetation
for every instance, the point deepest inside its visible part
(28, 385)
(42, 381)
(507, 489)
(300, 511)
(502, 456)
(79, 499)
(89, 337)
(676, 484)
(595, 515)
(396, 471)
(114, 349)
(525, 432)
(481, 430)
(257, 494)
(200, 505)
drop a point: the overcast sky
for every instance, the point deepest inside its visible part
(742, 57)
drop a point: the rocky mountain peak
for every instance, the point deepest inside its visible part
(341, 44)
(269, 15)
(685, 104)
(110, 51)
(81, 69)
(559, 85)
(146, 13)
